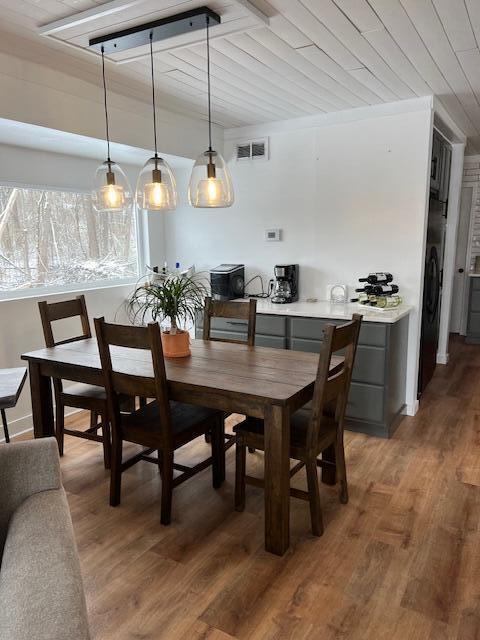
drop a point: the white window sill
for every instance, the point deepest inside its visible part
(74, 288)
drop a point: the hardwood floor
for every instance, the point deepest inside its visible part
(401, 561)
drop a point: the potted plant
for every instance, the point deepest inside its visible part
(172, 297)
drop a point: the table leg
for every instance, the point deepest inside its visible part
(329, 473)
(277, 479)
(42, 405)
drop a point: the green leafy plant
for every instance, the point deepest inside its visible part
(175, 298)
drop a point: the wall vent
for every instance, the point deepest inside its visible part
(252, 150)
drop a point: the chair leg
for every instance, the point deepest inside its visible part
(218, 452)
(142, 402)
(5, 426)
(240, 464)
(116, 471)
(341, 471)
(59, 425)
(167, 487)
(314, 498)
(93, 420)
(208, 438)
(107, 441)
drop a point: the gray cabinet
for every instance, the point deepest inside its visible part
(377, 393)
(473, 320)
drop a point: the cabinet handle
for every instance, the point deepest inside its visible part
(239, 324)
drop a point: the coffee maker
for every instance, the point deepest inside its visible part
(285, 287)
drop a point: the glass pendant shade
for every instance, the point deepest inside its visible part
(156, 187)
(112, 192)
(210, 183)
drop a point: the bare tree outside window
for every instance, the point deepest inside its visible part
(52, 238)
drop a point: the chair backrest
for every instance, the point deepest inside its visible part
(333, 388)
(129, 380)
(235, 311)
(52, 311)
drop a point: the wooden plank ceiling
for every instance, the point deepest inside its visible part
(288, 59)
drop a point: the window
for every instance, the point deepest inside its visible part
(52, 238)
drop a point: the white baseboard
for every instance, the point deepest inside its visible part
(24, 425)
(442, 358)
(411, 409)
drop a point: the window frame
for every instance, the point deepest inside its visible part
(77, 287)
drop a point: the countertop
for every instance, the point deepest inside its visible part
(326, 309)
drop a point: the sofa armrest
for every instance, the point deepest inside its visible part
(25, 468)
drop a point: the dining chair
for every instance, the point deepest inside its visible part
(162, 425)
(313, 429)
(78, 395)
(237, 313)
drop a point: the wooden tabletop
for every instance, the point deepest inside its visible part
(273, 374)
(11, 384)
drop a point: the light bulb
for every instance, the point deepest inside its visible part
(210, 193)
(156, 197)
(113, 196)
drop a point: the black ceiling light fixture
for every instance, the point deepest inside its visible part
(111, 192)
(210, 183)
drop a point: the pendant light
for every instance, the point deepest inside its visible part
(156, 188)
(112, 192)
(210, 183)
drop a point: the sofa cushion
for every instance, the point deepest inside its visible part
(41, 590)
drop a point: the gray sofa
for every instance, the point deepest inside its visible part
(41, 590)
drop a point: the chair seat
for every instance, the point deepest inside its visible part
(253, 430)
(186, 418)
(86, 391)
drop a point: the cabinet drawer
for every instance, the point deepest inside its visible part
(365, 402)
(369, 365)
(307, 329)
(476, 284)
(267, 325)
(223, 324)
(271, 325)
(371, 334)
(299, 344)
(277, 342)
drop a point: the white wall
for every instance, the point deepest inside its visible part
(350, 197)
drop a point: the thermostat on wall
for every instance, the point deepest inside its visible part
(273, 235)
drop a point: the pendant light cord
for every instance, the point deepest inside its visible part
(153, 96)
(209, 91)
(105, 106)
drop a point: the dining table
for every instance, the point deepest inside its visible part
(260, 382)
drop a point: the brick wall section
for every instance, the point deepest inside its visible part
(471, 178)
